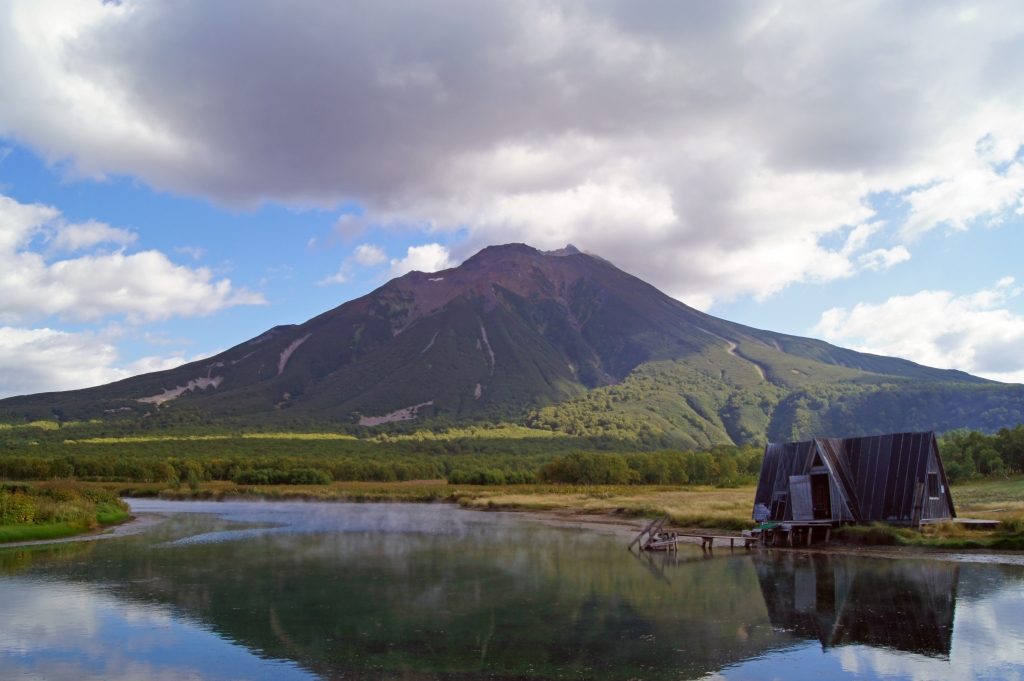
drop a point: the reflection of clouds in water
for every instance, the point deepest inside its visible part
(43, 616)
(988, 642)
(312, 517)
(56, 632)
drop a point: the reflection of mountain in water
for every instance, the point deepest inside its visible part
(488, 598)
(902, 605)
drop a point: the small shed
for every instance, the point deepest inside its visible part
(896, 479)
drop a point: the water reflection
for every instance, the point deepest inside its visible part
(387, 591)
(903, 605)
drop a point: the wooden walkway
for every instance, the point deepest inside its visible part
(657, 540)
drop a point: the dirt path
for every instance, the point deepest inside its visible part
(732, 351)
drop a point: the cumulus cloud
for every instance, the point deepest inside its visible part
(75, 237)
(41, 360)
(427, 258)
(364, 255)
(716, 147)
(883, 259)
(369, 255)
(144, 286)
(937, 328)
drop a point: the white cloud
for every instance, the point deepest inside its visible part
(937, 328)
(364, 255)
(142, 286)
(369, 255)
(75, 237)
(338, 278)
(427, 258)
(883, 259)
(715, 148)
(194, 251)
(41, 360)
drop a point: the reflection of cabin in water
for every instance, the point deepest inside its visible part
(901, 605)
(896, 479)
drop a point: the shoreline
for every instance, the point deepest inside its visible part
(587, 520)
(126, 528)
(623, 527)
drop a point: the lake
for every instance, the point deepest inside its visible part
(386, 591)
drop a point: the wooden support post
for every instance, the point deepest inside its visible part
(828, 533)
(810, 535)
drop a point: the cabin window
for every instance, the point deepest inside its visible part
(933, 485)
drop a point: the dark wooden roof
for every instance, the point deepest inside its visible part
(878, 475)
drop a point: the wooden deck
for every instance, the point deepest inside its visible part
(792, 534)
(658, 540)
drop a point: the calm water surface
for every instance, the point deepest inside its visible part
(338, 591)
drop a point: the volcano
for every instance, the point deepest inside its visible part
(559, 340)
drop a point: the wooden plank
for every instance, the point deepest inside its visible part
(654, 532)
(915, 520)
(800, 497)
(642, 533)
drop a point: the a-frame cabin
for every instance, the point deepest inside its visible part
(896, 479)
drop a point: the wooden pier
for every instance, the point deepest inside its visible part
(658, 540)
(791, 534)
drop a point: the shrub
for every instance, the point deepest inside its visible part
(309, 476)
(16, 508)
(876, 534)
(262, 476)
(585, 468)
(1012, 526)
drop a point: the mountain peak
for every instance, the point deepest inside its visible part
(569, 249)
(511, 330)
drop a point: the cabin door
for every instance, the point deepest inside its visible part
(800, 497)
(821, 496)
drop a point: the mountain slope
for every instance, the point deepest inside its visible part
(517, 333)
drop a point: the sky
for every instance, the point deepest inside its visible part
(177, 177)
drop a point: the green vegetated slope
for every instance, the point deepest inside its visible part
(754, 395)
(565, 343)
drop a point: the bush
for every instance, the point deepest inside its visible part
(309, 476)
(584, 468)
(271, 476)
(262, 476)
(876, 534)
(1012, 526)
(16, 508)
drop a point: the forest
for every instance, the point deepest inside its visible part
(483, 454)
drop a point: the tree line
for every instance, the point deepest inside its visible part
(966, 455)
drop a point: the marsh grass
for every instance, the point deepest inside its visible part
(697, 507)
(55, 510)
(688, 507)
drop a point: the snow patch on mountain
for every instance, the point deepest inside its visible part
(483, 331)
(287, 354)
(167, 394)
(407, 414)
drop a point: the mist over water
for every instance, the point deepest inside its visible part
(379, 591)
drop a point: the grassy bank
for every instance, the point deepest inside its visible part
(724, 509)
(688, 507)
(54, 510)
(707, 507)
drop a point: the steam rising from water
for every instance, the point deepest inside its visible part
(275, 518)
